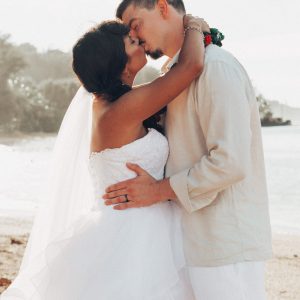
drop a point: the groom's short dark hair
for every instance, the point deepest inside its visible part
(149, 4)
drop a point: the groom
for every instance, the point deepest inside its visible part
(215, 169)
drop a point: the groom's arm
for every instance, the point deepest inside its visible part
(224, 114)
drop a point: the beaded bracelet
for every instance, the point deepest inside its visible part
(192, 28)
(206, 36)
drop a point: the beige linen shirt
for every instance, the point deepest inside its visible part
(216, 165)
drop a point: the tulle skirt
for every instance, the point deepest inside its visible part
(106, 254)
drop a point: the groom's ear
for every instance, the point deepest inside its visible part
(163, 7)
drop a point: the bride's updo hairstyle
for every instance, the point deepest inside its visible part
(99, 59)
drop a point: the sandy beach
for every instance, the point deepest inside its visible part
(282, 274)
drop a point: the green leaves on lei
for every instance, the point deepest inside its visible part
(216, 36)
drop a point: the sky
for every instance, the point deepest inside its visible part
(263, 34)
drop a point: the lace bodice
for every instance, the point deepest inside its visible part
(109, 166)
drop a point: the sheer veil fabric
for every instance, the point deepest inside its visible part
(68, 193)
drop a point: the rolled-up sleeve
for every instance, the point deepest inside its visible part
(222, 102)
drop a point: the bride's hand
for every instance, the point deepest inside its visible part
(194, 21)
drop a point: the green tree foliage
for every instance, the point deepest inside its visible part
(11, 62)
(35, 88)
(41, 108)
(48, 65)
(58, 93)
(31, 106)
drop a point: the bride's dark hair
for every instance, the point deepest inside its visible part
(99, 58)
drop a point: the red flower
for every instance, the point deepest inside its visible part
(207, 40)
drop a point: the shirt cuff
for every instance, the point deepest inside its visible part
(179, 184)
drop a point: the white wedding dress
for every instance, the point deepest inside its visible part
(135, 254)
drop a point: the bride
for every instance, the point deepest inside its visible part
(78, 247)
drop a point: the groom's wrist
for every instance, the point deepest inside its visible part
(164, 190)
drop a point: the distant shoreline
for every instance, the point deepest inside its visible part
(20, 135)
(9, 138)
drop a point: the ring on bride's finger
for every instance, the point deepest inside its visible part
(126, 197)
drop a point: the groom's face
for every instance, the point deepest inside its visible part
(148, 26)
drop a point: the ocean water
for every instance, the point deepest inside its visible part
(23, 173)
(24, 161)
(282, 159)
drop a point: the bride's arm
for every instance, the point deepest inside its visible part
(142, 102)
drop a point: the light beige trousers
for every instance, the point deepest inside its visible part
(240, 281)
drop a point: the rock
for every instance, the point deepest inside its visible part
(4, 282)
(15, 241)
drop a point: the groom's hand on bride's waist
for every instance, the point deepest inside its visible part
(143, 190)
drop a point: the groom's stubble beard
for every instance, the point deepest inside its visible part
(156, 54)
